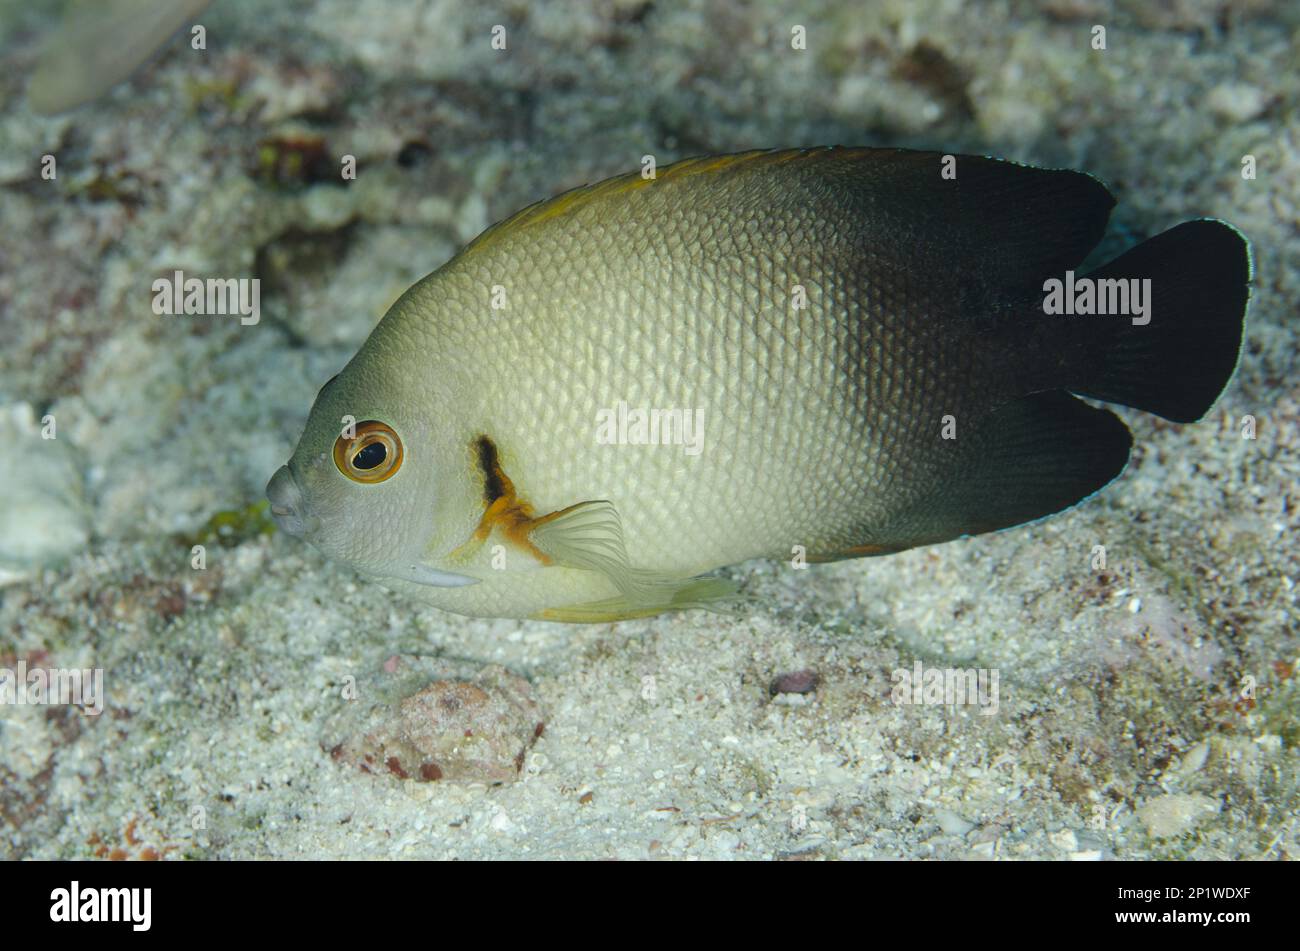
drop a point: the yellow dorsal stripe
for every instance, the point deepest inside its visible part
(583, 195)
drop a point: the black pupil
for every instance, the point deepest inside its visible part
(370, 456)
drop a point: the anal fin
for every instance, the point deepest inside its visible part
(1027, 460)
(718, 595)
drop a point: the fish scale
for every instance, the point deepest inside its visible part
(733, 382)
(822, 423)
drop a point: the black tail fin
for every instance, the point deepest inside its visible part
(1178, 363)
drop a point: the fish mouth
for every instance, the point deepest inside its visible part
(288, 506)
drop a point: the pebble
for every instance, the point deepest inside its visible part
(799, 681)
(1237, 102)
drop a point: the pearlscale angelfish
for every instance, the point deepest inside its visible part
(860, 336)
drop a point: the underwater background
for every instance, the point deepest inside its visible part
(1147, 704)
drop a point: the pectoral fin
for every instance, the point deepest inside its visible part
(589, 535)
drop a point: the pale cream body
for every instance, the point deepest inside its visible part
(677, 293)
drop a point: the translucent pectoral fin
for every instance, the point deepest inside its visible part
(589, 535)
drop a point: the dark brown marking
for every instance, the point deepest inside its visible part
(493, 483)
(504, 509)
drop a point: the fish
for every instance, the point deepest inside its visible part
(807, 355)
(98, 44)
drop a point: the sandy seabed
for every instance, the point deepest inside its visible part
(1146, 709)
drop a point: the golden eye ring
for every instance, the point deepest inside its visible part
(373, 455)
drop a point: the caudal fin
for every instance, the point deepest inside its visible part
(1176, 364)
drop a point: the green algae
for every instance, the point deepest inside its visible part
(234, 527)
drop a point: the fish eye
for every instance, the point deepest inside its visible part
(372, 455)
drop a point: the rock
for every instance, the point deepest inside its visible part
(951, 823)
(469, 729)
(1194, 758)
(1065, 840)
(1174, 814)
(44, 518)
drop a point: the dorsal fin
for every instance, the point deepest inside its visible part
(1009, 224)
(1003, 223)
(576, 198)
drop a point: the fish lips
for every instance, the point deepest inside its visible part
(291, 513)
(289, 506)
